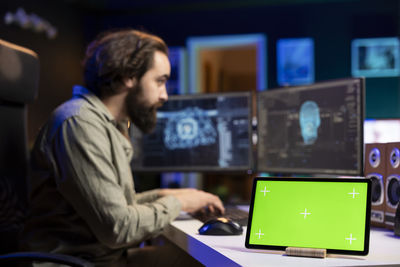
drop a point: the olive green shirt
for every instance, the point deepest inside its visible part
(82, 195)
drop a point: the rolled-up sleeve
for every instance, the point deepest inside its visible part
(148, 196)
(87, 177)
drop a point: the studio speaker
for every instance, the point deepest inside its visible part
(392, 187)
(375, 169)
(397, 222)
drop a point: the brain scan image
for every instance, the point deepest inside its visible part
(189, 128)
(309, 122)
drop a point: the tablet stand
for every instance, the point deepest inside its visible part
(306, 252)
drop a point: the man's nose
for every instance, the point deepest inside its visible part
(164, 94)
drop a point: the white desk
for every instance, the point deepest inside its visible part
(230, 250)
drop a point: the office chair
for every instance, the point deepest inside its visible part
(19, 77)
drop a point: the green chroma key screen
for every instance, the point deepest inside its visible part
(332, 214)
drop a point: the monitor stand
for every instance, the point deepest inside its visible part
(306, 252)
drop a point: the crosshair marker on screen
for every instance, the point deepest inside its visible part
(259, 234)
(351, 238)
(354, 192)
(265, 190)
(305, 213)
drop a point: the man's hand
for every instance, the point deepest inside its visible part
(193, 200)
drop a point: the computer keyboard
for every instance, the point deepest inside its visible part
(231, 212)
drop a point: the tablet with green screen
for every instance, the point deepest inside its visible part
(332, 214)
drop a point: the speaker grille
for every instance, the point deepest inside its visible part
(376, 188)
(393, 191)
(374, 157)
(395, 158)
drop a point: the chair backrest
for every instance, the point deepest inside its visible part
(19, 78)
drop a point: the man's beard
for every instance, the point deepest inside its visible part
(143, 115)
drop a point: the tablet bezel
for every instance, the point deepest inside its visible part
(332, 251)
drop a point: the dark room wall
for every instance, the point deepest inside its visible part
(60, 57)
(332, 24)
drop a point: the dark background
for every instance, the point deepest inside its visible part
(332, 24)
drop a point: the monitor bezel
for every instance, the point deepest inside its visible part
(315, 179)
(248, 168)
(286, 170)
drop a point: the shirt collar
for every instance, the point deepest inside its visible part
(80, 91)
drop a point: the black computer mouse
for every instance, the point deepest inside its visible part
(221, 226)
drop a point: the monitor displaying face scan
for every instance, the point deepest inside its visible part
(204, 132)
(314, 129)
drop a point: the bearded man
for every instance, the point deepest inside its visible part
(82, 197)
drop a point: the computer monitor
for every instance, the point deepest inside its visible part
(314, 129)
(200, 132)
(375, 57)
(295, 61)
(381, 130)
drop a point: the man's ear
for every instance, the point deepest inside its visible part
(129, 82)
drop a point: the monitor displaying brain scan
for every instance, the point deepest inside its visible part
(313, 129)
(204, 132)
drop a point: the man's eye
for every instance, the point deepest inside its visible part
(161, 81)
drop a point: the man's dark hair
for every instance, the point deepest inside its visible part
(113, 56)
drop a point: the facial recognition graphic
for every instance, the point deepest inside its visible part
(311, 129)
(329, 215)
(295, 61)
(309, 121)
(375, 57)
(210, 132)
